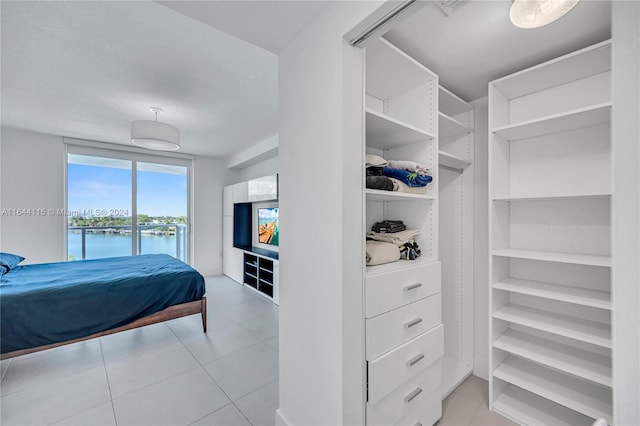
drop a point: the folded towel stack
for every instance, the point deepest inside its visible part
(388, 226)
(396, 175)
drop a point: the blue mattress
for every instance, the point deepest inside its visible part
(54, 302)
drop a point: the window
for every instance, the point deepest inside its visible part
(126, 203)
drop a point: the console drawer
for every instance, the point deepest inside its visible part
(406, 398)
(392, 329)
(394, 368)
(391, 290)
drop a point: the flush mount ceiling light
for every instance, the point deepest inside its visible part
(154, 134)
(537, 13)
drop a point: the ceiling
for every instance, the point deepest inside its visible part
(477, 43)
(86, 69)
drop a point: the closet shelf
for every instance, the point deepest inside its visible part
(450, 160)
(391, 72)
(530, 409)
(567, 196)
(583, 63)
(380, 195)
(396, 266)
(586, 398)
(550, 256)
(570, 120)
(563, 293)
(449, 127)
(593, 332)
(451, 104)
(384, 132)
(578, 362)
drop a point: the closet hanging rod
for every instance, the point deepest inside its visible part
(379, 22)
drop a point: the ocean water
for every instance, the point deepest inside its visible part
(112, 245)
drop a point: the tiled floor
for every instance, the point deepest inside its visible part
(164, 374)
(174, 374)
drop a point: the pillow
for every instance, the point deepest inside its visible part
(8, 261)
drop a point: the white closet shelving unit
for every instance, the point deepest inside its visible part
(456, 123)
(403, 324)
(550, 227)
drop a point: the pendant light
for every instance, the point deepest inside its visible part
(537, 13)
(154, 134)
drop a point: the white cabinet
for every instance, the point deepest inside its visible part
(227, 201)
(241, 192)
(403, 324)
(231, 256)
(550, 240)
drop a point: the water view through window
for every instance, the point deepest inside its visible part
(100, 200)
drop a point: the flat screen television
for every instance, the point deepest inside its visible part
(268, 228)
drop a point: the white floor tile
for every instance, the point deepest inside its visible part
(245, 371)
(274, 343)
(191, 326)
(101, 415)
(180, 400)
(132, 342)
(221, 284)
(138, 371)
(260, 405)
(218, 343)
(264, 327)
(4, 364)
(226, 416)
(230, 299)
(56, 400)
(33, 371)
(247, 311)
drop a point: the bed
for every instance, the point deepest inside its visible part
(51, 304)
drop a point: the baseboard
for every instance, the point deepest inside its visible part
(281, 420)
(481, 368)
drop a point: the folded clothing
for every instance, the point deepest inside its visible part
(375, 160)
(381, 182)
(412, 179)
(397, 238)
(403, 187)
(387, 226)
(374, 170)
(378, 252)
(411, 166)
(410, 251)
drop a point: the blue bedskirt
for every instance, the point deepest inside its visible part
(54, 302)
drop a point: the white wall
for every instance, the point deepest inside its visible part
(32, 177)
(210, 175)
(626, 213)
(264, 168)
(321, 180)
(481, 249)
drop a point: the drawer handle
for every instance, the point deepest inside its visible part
(413, 361)
(414, 322)
(412, 395)
(412, 286)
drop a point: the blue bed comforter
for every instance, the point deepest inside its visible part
(54, 302)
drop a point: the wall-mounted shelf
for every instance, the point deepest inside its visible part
(451, 104)
(548, 256)
(450, 160)
(589, 399)
(578, 362)
(449, 127)
(385, 132)
(380, 195)
(563, 325)
(556, 123)
(567, 196)
(563, 293)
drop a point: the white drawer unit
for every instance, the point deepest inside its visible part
(407, 398)
(391, 290)
(387, 331)
(427, 414)
(397, 366)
